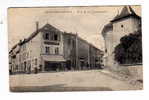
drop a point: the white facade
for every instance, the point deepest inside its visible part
(49, 49)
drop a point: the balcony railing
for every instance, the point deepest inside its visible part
(51, 42)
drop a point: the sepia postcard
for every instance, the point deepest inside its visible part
(78, 48)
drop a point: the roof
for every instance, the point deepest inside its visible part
(81, 39)
(107, 28)
(127, 11)
(90, 44)
(46, 27)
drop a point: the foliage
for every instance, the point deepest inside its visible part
(129, 50)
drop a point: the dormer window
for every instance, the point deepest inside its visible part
(47, 36)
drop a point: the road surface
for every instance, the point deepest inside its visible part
(91, 80)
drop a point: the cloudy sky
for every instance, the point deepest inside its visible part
(86, 21)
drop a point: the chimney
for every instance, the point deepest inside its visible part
(37, 26)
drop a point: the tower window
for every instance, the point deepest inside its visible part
(122, 26)
(105, 50)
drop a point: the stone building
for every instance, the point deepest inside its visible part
(49, 49)
(122, 24)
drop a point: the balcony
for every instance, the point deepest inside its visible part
(51, 42)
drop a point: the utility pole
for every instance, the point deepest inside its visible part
(77, 51)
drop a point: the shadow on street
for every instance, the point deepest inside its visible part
(56, 88)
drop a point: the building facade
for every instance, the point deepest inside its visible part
(122, 24)
(49, 49)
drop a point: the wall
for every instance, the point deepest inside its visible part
(69, 46)
(51, 43)
(83, 53)
(129, 72)
(109, 48)
(52, 46)
(79, 52)
(34, 49)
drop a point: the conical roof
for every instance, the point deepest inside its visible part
(127, 11)
(107, 28)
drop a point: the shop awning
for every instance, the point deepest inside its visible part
(53, 58)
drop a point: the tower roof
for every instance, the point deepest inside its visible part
(127, 11)
(107, 28)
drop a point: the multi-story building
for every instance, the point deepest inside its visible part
(123, 24)
(49, 49)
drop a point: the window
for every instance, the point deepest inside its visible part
(55, 37)
(57, 50)
(140, 24)
(69, 41)
(47, 36)
(73, 42)
(20, 58)
(122, 26)
(36, 61)
(47, 50)
(17, 67)
(106, 50)
(24, 46)
(27, 55)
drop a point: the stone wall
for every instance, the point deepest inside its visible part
(133, 72)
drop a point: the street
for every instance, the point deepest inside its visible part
(90, 80)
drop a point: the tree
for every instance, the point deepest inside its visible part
(130, 49)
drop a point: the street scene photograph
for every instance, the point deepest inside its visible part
(75, 48)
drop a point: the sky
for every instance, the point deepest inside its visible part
(87, 22)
